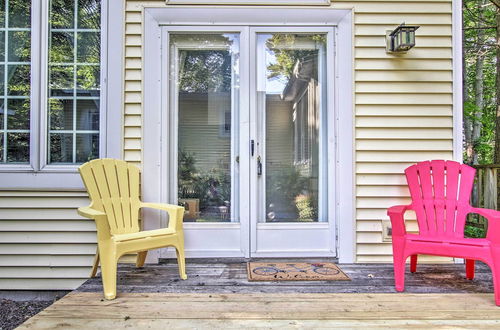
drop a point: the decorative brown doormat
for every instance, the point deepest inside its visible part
(295, 271)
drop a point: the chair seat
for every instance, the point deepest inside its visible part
(143, 234)
(448, 240)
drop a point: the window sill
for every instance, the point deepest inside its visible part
(50, 178)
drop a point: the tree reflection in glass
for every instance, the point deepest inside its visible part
(204, 71)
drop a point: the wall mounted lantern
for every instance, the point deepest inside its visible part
(402, 39)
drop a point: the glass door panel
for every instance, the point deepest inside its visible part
(291, 89)
(204, 76)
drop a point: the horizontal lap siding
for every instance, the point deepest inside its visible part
(133, 78)
(403, 104)
(403, 110)
(44, 243)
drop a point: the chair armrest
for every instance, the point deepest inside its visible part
(396, 214)
(89, 212)
(487, 213)
(175, 213)
(493, 217)
(101, 221)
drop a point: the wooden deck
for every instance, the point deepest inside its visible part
(231, 277)
(87, 310)
(217, 295)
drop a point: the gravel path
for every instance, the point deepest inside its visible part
(14, 313)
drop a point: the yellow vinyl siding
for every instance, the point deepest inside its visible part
(403, 104)
(44, 244)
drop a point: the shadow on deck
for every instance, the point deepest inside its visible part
(231, 277)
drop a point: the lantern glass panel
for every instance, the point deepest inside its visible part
(408, 37)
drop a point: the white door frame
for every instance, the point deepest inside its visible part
(154, 101)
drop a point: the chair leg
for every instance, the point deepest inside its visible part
(495, 272)
(469, 269)
(399, 264)
(109, 264)
(141, 258)
(181, 261)
(413, 263)
(95, 264)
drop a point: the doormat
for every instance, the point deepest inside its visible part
(295, 271)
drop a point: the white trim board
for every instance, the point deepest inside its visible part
(457, 82)
(153, 151)
(233, 15)
(457, 87)
(251, 2)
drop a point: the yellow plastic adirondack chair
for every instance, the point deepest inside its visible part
(113, 186)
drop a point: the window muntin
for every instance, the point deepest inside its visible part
(73, 81)
(15, 72)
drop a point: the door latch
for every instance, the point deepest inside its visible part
(259, 166)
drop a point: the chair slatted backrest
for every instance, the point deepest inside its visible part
(113, 186)
(440, 192)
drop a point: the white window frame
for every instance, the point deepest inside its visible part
(38, 174)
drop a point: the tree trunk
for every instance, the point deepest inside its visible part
(497, 128)
(496, 156)
(467, 123)
(479, 102)
(478, 84)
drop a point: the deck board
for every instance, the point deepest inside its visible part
(217, 295)
(85, 310)
(231, 277)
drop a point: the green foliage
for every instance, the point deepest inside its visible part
(205, 71)
(287, 182)
(186, 168)
(474, 232)
(480, 42)
(484, 145)
(475, 226)
(212, 188)
(282, 45)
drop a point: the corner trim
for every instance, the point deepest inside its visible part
(457, 82)
(345, 199)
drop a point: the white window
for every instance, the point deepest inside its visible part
(73, 87)
(52, 93)
(15, 89)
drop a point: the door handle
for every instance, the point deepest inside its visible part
(252, 147)
(259, 166)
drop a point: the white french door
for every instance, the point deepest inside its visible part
(249, 120)
(291, 211)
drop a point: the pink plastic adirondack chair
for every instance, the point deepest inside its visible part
(440, 192)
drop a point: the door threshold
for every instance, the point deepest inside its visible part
(243, 260)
